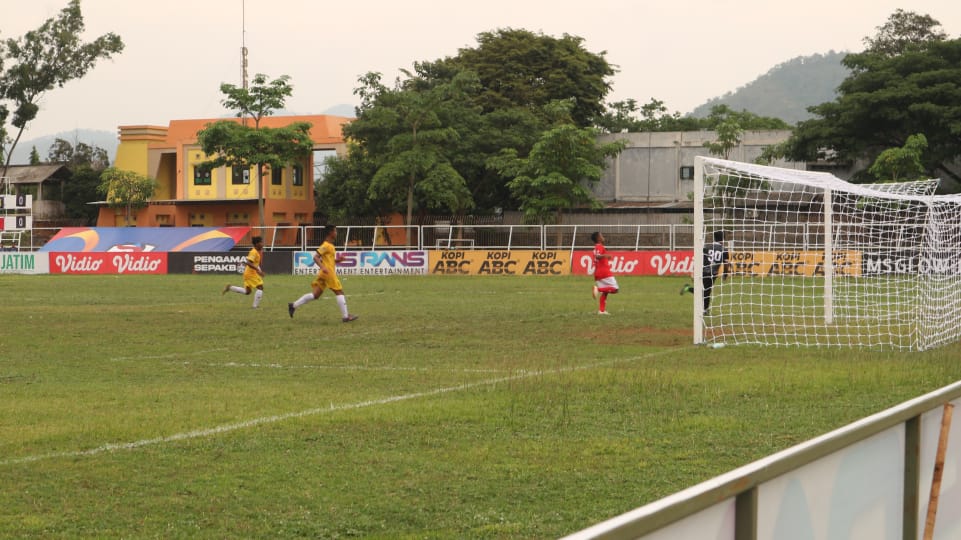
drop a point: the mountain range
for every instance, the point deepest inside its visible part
(785, 92)
(787, 89)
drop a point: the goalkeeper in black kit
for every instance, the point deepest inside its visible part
(714, 257)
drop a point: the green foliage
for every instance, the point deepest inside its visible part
(44, 59)
(82, 154)
(34, 156)
(410, 133)
(235, 144)
(260, 99)
(620, 117)
(728, 137)
(772, 153)
(343, 192)
(86, 162)
(559, 171)
(886, 99)
(126, 189)
(902, 31)
(429, 138)
(80, 189)
(523, 69)
(901, 164)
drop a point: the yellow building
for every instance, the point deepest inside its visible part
(188, 196)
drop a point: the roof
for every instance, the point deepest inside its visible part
(37, 174)
(324, 130)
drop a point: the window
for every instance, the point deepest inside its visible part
(201, 176)
(241, 175)
(276, 176)
(298, 175)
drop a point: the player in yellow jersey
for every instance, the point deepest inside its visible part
(326, 260)
(253, 273)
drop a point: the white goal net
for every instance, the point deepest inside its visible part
(804, 258)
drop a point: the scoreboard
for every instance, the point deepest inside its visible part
(11, 207)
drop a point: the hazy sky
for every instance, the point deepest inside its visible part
(178, 52)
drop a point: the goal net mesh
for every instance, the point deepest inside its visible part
(813, 260)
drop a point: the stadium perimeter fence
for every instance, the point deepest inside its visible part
(875, 479)
(668, 237)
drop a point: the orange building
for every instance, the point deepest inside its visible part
(187, 196)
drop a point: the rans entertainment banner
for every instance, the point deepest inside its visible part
(366, 263)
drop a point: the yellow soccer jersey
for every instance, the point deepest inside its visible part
(327, 258)
(252, 279)
(328, 261)
(253, 261)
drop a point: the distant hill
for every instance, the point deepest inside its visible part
(341, 110)
(788, 89)
(102, 139)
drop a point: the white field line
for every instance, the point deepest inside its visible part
(165, 356)
(227, 428)
(347, 367)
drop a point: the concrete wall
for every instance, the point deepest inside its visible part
(648, 170)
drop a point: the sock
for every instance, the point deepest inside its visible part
(258, 294)
(303, 300)
(607, 290)
(239, 290)
(604, 301)
(342, 304)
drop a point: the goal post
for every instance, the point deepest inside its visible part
(813, 260)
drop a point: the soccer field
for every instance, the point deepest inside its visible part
(455, 407)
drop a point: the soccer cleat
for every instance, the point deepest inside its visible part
(594, 292)
(603, 313)
(348, 318)
(226, 289)
(290, 310)
(686, 288)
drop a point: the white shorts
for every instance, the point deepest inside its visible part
(606, 282)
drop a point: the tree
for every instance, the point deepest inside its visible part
(903, 30)
(884, 101)
(729, 134)
(83, 154)
(44, 59)
(518, 74)
(34, 156)
(560, 170)
(518, 68)
(79, 191)
(410, 125)
(86, 163)
(234, 144)
(344, 190)
(126, 189)
(621, 116)
(901, 164)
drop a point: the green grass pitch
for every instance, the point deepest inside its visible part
(455, 407)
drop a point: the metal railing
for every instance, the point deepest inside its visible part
(667, 237)
(446, 236)
(743, 494)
